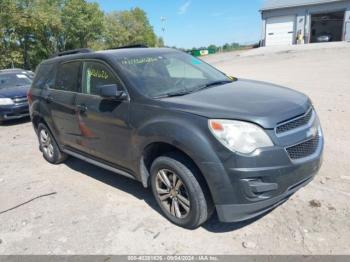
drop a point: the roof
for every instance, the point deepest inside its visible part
(111, 53)
(277, 4)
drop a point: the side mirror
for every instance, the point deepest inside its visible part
(112, 92)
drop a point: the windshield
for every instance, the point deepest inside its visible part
(167, 74)
(11, 80)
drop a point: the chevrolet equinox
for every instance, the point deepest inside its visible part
(202, 141)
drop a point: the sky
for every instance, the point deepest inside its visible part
(196, 23)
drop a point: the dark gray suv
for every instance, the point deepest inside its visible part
(201, 140)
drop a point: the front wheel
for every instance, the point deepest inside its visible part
(178, 191)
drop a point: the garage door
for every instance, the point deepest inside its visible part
(280, 30)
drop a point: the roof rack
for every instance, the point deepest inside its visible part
(131, 46)
(72, 52)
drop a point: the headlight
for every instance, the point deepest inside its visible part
(238, 136)
(6, 101)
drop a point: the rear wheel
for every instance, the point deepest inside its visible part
(49, 147)
(177, 188)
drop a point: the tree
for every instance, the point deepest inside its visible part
(48, 31)
(7, 42)
(235, 45)
(128, 28)
(82, 22)
(226, 47)
(32, 30)
(29, 28)
(213, 47)
(17, 24)
(160, 42)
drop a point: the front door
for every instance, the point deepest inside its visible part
(104, 126)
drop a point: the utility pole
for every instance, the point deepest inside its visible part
(163, 20)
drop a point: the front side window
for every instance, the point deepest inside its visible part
(168, 73)
(68, 76)
(95, 75)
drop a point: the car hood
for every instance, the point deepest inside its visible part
(16, 91)
(262, 103)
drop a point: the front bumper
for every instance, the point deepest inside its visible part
(240, 212)
(258, 183)
(14, 112)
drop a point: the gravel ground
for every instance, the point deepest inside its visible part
(93, 211)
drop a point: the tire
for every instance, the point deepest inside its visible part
(48, 146)
(192, 202)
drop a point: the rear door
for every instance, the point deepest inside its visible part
(103, 122)
(280, 30)
(59, 103)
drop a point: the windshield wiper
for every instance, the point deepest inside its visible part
(186, 92)
(172, 94)
(214, 83)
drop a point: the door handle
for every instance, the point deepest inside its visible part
(48, 99)
(82, 108)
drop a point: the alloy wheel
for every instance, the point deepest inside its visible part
(172, 193)
(46, 143)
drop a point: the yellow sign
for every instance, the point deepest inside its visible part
(98, 73)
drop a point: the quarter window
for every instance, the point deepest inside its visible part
(45, 76)
(68, 76)
(96, 75)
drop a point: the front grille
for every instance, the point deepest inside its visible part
(294, 123)
(303, 149)
(20, 100)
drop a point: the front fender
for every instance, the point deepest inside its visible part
(184, 133)
(190, 134)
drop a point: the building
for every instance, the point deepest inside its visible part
(287, 22)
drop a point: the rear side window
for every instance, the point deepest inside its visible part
(96, 74)
(68, 77)
(45, 76)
